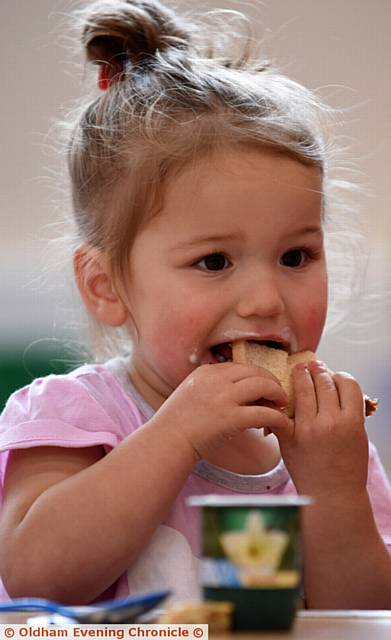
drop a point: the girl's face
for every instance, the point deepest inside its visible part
(236, 252)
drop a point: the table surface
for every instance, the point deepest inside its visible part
(309, 625)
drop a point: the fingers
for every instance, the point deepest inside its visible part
(315, 390)
(325, 389)
(257, 388)
(318, 391)
(350, 394)
(260, 416)
(306, 404)
(236, 372)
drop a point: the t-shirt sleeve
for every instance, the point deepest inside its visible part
(66, 411)
(379, 489)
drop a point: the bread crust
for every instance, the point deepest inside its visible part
(276, 361)
(280, 364)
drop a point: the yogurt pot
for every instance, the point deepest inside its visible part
(251, 556)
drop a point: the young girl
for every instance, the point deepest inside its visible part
(200, 192)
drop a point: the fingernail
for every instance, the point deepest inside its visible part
(319, 364)
(346, 374)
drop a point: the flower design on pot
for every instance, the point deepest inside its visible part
(255, 550)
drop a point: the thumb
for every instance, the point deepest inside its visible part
(284, 434)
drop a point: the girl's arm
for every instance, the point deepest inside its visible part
(74, 520)
(346, 563)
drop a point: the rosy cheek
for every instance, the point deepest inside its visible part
(177, 333)
(313, 326)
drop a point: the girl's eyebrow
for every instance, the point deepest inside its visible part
(307, 231)
(188, 244)
(237, 235)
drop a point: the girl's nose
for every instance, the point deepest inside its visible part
(261, 297)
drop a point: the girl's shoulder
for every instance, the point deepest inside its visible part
(87, 406)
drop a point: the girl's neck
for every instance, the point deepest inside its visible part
(151, 395)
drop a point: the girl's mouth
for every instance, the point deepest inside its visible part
(223, 352)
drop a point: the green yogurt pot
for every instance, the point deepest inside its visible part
(251, 556)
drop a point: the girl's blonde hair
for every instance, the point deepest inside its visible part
(171, 99)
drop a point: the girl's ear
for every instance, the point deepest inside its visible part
(94, 279)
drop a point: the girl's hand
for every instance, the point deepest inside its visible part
(326, 448)
(214, 403)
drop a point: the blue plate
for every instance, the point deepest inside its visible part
(114, 611)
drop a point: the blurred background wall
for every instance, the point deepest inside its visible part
(342, 48)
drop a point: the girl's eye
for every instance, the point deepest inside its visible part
(214, 262)
(295, 258)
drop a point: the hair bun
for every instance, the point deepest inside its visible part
(135, 29)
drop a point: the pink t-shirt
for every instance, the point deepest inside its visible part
(97, 405)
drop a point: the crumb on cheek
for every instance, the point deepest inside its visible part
(194, 357)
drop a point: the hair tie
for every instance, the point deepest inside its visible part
(108, 74)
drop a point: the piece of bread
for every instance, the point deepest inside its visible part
(218, 615)
(280, 364)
